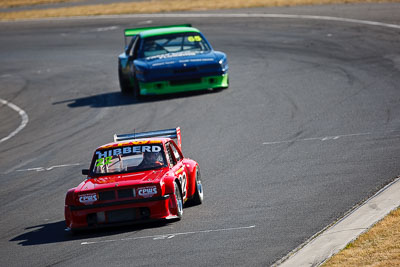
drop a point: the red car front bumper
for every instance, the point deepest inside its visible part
(120, 212)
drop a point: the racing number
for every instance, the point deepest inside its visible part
(183, 180)
(194, 38)
(103, 161)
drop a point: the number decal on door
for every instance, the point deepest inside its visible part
(183, 180)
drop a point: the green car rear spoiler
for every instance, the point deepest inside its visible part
(136, 31)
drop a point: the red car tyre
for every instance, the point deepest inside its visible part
(198, 193)
(179, 201)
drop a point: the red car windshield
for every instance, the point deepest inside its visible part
(128, 159)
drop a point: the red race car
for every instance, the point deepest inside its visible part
(139, 177)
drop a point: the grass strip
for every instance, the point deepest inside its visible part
(160, 6)
(19, 3)
(380, 246)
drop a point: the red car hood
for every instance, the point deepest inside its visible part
(120, 180)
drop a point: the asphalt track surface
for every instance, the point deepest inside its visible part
(309, 127)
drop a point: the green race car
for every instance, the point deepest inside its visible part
(170, 59)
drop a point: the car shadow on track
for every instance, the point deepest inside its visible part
(55, 233)
(117, 99)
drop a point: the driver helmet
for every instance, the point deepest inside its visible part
(151, 156)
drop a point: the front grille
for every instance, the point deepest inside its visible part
(91, 219)
(124, 193)
(187, 81)
(118, 216)
(123, 215)
(185, 70)
(106, 195)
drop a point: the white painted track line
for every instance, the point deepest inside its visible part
(168, 236)
(23, 115)
(40, 169)
(387, 134)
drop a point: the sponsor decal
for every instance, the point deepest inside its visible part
(88, 198)
(163, 63)
(131, 143)
(106, 155)
(106, 180)
(183, 61)
(195, 60)
(179, 171)
(147, 191)
(171, 55)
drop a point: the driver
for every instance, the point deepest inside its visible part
(150, 160)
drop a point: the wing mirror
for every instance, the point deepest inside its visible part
(85, 172)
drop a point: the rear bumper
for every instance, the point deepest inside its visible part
(169, 87)
(121, 212)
